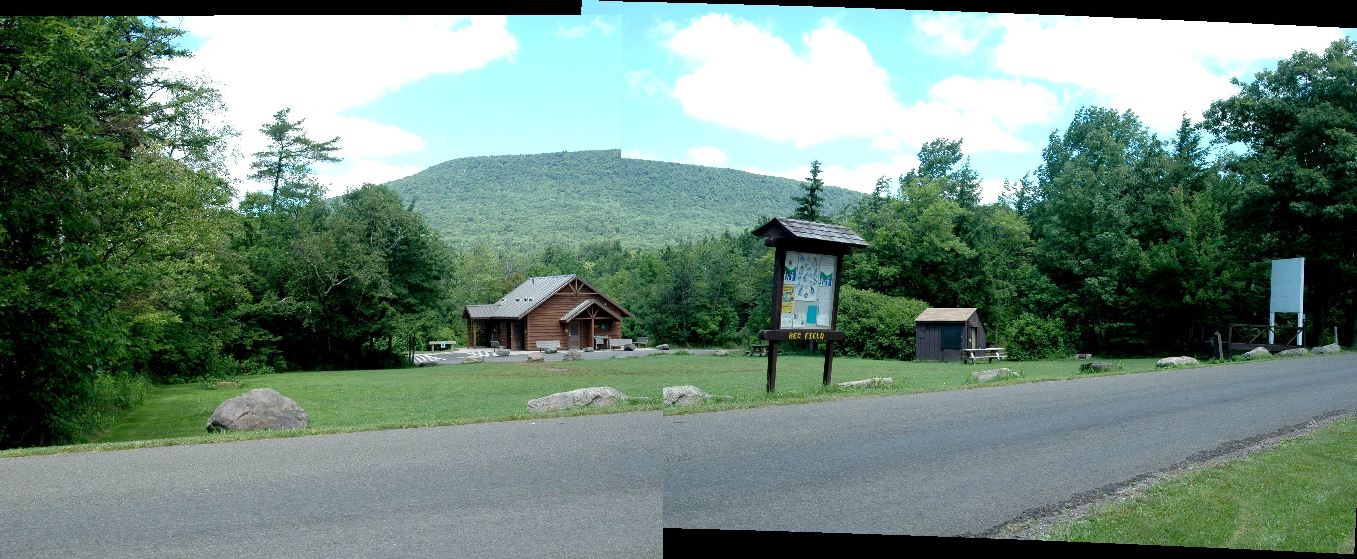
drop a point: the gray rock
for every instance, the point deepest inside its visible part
(536, 358)
(1331, 348)
(993, 374)
(662, 347)
(720, 353)
(589, 349)
(1176, 362)
(261, 408)
(1083, 356)
(1293, 352)
(473, 359)
(597, 396)
(1097, 367)
(573, 355)
(629, 347)
(550, 350)
(502, 352)
(867, 382)
(687, 395)
(1257, 353)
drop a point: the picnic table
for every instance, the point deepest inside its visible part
(757, 349)
(989, 353)
(442, 344)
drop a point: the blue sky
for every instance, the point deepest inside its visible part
(760, 88)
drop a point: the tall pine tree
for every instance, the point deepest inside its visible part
(808, 206)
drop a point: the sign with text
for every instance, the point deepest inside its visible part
(808, 282)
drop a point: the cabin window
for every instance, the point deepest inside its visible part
(604, 326)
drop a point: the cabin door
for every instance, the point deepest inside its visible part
(574, 334)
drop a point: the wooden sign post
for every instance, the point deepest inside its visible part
(806, 277)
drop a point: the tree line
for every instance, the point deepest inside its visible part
(129, 257)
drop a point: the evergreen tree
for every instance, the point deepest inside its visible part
(809, 205)
(287, 162)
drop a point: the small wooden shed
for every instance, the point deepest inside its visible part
(941, 333)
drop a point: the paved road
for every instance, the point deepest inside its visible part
(964, 462)
(569, 487)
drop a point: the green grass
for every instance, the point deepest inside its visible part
(1297, 496)
(341, 401)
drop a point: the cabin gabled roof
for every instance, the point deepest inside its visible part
(528, 295)
(946, 315)
(580, 308)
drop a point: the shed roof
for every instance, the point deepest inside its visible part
(946, 314)
(811, 231)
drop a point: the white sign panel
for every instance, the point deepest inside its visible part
(808, 282)
(1288, 285)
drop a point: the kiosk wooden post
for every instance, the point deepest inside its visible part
(807, 270)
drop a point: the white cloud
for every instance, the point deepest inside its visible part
(951, 33)
(363, 171)
(1158, 69)
(748, 79)
(645, 82)
(990, 189)
(861, 178)
(707, 155)
(599, 24)
(322, 66)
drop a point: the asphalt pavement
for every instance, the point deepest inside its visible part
(966, 461)
(569, 487)
(943, 463)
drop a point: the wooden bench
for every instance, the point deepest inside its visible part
(988, 353)
(642, 341)
(619, 343)
(757, 350)
(544, 345)
(442, 344)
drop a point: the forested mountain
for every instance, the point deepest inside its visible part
(589, 196)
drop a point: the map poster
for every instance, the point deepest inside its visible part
(808, 290)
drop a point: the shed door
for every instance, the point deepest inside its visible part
(975, 337)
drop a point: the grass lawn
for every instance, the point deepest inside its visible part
(340, 401)
(1297, 496)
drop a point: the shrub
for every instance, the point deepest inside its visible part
(877, 326)
(1030, 337)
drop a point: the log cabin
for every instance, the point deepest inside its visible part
(563, 308)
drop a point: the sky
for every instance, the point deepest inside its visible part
(765, 89)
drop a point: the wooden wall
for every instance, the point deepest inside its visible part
(544, 322)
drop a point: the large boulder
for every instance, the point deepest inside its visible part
(1293, 352)
(572, 355)
(687, 395)
(597, 396)
(261, 408)
(1258, 353)
(536, 358)
(864, 383)
(993, 374)
(473, 359)
(1176, 362)
(1097, 367)
(502, 351)
(1331, 348)
(629, 347)
(720, 353)
(662, 347)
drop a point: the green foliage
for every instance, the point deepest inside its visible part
(1031, 338)
(877, 326)
(808, 205)
(522, 203)
(286, 164)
